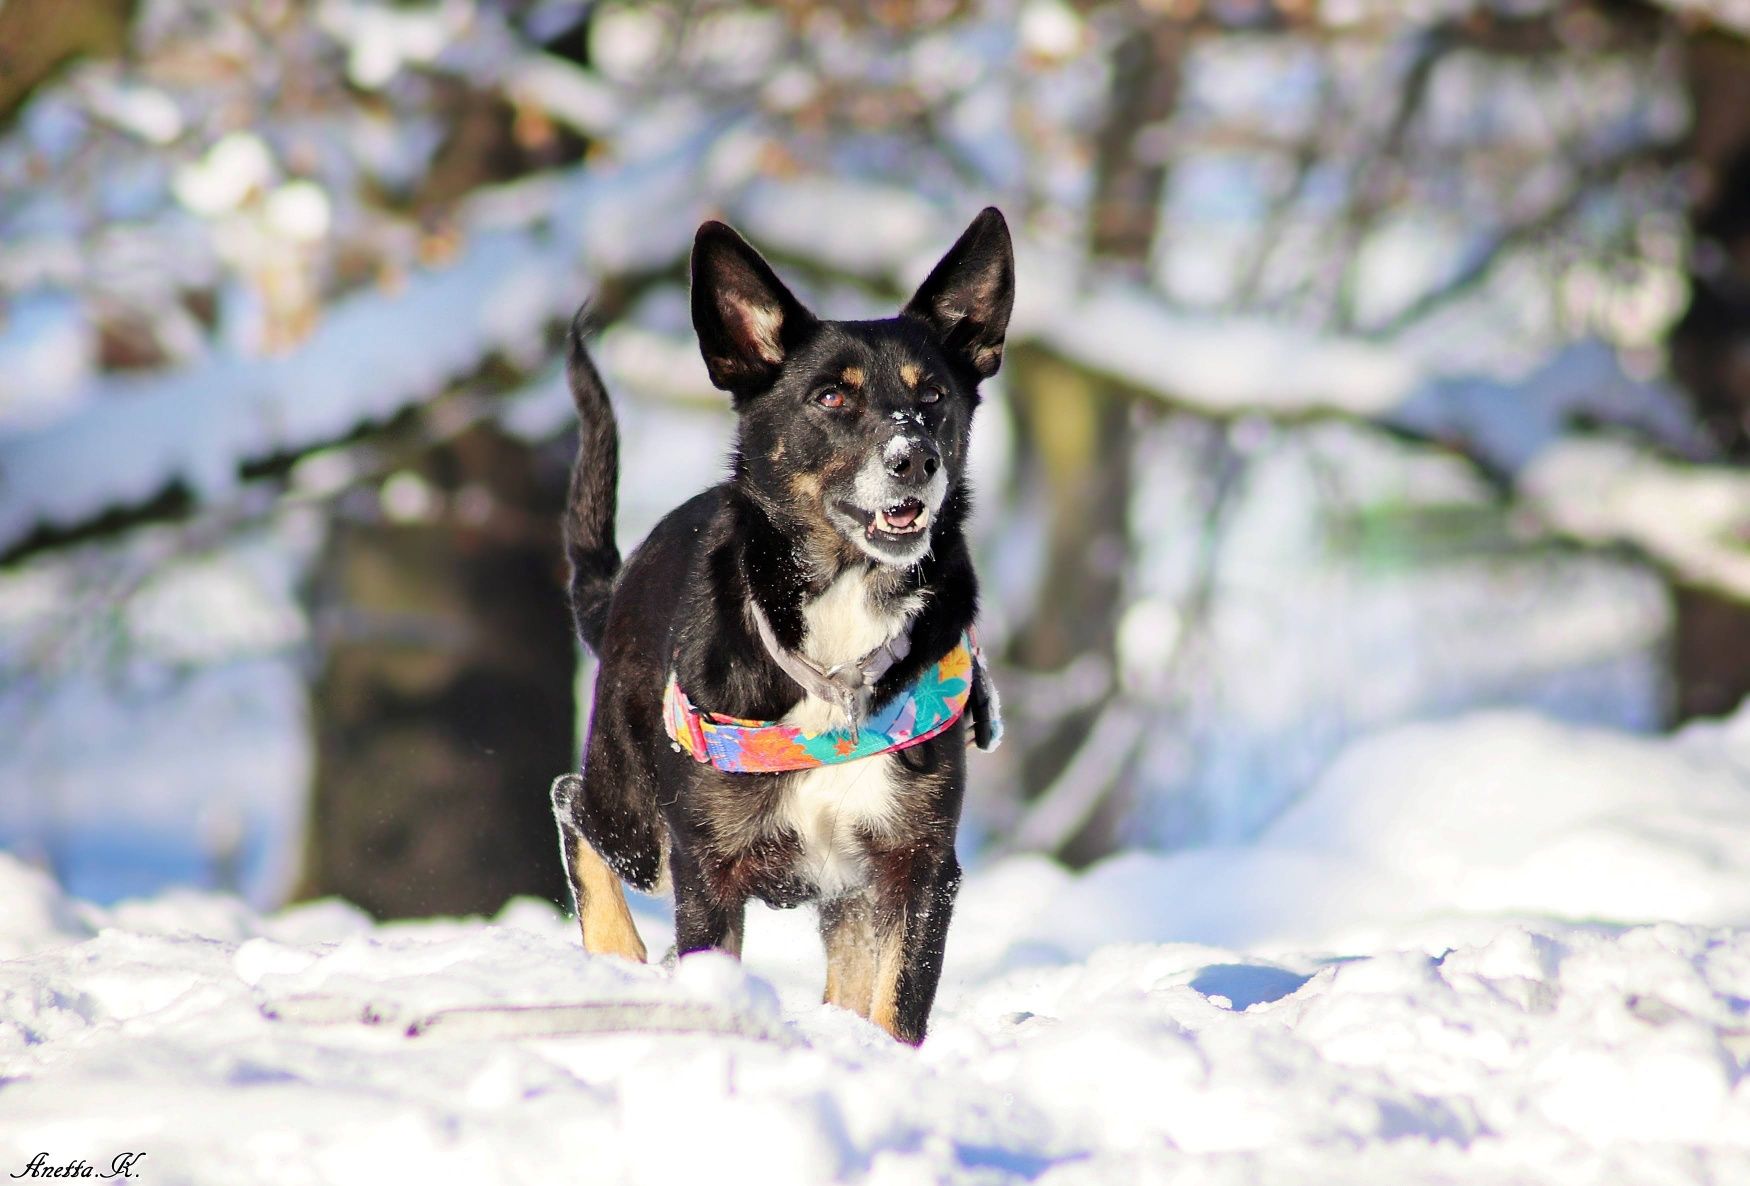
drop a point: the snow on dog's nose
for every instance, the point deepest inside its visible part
(911, 460)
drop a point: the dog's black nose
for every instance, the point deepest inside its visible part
(913, 461)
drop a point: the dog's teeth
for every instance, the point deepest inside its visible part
(879, 521)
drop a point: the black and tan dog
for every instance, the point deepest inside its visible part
(814, 587)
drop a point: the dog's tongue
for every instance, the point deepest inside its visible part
(903, 515)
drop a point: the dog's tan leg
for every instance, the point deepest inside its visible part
(865, 957)
(888, 960)
(910, 932)
(601, 906)
(847, 928)
(732, 937)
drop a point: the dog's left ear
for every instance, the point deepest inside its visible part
(968, 297)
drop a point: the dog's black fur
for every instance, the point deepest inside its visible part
(820, 405)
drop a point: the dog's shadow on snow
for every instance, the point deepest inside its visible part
(1241, 986)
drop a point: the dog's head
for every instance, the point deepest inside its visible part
(855, 431)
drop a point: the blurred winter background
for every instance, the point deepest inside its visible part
(1374, 362)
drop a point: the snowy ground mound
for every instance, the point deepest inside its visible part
(1492, 951)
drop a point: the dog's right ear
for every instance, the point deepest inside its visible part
(747, 321)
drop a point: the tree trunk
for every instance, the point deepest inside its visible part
(1075, 434)
(444, 703)
(1710, 349)
(39, 37)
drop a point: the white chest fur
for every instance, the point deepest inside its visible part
(829, 807)
(845, 623)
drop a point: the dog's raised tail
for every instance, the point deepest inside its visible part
(589, 513)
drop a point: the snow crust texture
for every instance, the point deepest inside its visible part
(1454, 961)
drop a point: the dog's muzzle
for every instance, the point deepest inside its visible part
(892, 503)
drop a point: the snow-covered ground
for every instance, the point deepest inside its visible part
(1495, 950)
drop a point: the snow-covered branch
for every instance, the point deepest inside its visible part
(1692, 520)
(133, 437)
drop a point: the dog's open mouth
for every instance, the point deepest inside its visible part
(902, 518)
(908, 517)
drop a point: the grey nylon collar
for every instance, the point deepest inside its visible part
(848, 687)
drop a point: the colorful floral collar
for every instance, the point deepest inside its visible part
(739, 746)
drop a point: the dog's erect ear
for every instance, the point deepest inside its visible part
(967, 299)
(746, 319)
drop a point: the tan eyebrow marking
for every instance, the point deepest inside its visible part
(911, 373)
(852, 376)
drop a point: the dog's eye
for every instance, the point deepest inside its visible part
(832, 397)
(930, 395)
